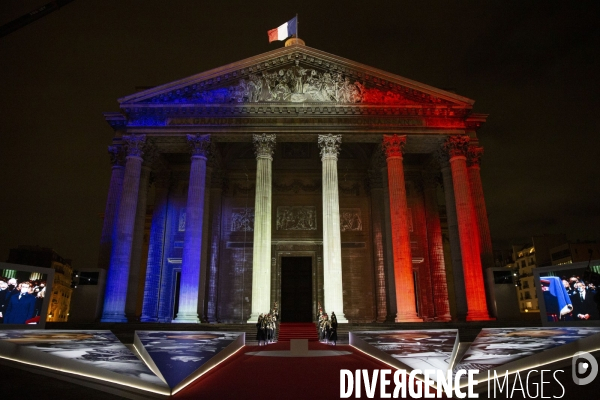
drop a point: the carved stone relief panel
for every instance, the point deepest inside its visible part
(350, 220)
(296, 218)
(242, 219)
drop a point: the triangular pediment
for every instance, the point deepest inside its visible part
(297, 74)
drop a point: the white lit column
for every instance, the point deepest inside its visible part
(332, 241)
(261, 256)
(192, 241)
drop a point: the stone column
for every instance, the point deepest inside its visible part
(460, 295)
(216, 192)
(474, 285)
(332, 240)
(264, 145)
(485, 240)
(117, 159)
(135, 270)
(403, 271)
(202, 303)
(118, 272)
(192, 240)
(436, 249)
(156, 248)
(388, 252)
(377, 216)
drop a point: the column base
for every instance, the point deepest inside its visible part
(253, 319)
(479, 316)
(342, 319)
(148, 319)
(408, 318)
(183, 318)
(114, 318)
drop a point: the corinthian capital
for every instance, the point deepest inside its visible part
(456, 146)
(135, 145)
(330, 145)
(264, 145)
(199, 144)
(393, 145)
(117, 155)
(474, 156)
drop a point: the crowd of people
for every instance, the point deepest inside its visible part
(266, 326)
(327, 327)
(21, 302)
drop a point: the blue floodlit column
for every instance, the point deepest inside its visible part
(192, 242)
(155, 249)
(118, 273)
(112, 205)
(332, 240)
(261, 255)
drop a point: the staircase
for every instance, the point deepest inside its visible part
(297, 330)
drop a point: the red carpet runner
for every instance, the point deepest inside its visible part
(297, 330)
(254, 377)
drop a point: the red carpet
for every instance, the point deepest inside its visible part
(254, 377)
(296, 330)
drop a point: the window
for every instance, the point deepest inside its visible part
(528, 296)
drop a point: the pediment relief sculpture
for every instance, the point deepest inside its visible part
(294, 84)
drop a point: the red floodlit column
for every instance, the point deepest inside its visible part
(457, 147)
(403, 272)
(436, 250)
(485, 240)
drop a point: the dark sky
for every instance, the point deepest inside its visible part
(533, 66)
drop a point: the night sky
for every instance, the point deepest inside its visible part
(533, 66)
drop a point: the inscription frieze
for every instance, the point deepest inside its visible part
(322, 121)
(296, 218)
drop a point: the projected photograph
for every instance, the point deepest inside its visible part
(24, 295)
(418, 349)
(498, 346)
(101, 349)
(569, 293)
(178, 354)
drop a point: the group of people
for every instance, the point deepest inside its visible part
(21, 302)
(327, 327)
(583, 297)
(266, 326)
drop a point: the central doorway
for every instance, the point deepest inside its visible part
(296, 289)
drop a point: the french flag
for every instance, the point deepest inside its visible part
(286, 30)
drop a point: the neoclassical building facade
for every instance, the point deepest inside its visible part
(297, 177)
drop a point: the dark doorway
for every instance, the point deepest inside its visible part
(296, 289)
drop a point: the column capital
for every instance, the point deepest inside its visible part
(199, 144)
(330, 145)
(135, 145)
(474, 156)
(117, 155)
(456, 146)
(393, 145)
(264, 145)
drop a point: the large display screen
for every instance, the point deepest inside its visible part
(568, 293)
(24, 295)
